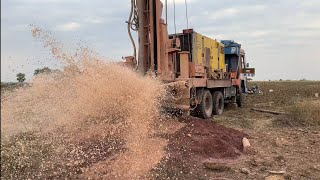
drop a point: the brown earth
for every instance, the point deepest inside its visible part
(199, 140)
(279, 146)
(197, 149)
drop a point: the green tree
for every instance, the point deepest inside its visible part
(21, 77)
(44, 70)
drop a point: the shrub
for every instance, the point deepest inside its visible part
(305, 113)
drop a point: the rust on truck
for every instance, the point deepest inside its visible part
(210, 73)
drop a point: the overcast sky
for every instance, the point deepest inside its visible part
(281, 37)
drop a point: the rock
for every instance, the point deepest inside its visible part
(263, 169)
(302, 130)
(245, 142)
(277, 172)
(245, 171)
(247, 148)
(316, 167)
(278, 142)
(236, 170)
(268, 162)
(316, 95)
(189, 135)
(281, 142)
(257, 162)
(275, 177)
(281, 159)
(217, 166)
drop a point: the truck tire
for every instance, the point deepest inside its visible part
(218, 103)
(194, 113)
(241, 100)
(204, 109)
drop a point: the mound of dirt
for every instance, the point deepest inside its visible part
(196, 142)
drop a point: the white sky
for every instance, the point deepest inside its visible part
(281, 38)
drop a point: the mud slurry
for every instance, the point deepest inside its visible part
(97, 119)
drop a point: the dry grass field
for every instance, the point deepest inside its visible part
(290, 142)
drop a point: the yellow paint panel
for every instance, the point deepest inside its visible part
(208, 52)
(198, 49)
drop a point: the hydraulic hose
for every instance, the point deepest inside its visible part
(130, 21)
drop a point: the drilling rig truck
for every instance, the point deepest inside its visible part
(212, 72)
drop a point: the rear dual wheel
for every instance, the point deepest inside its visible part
(204, 109)
(218, 103)
(210, 104)
(241, 100)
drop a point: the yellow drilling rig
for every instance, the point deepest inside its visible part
(212, 72)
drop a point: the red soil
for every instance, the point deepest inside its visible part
(196, 142)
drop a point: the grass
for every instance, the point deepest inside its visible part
(37, 155)
(305, 113)
(285, 93)
(232, 117)
(27, 155)
(7, 87)
(297, 98)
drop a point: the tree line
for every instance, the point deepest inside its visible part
(21, 77)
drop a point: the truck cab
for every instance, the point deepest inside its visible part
(235, 59)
